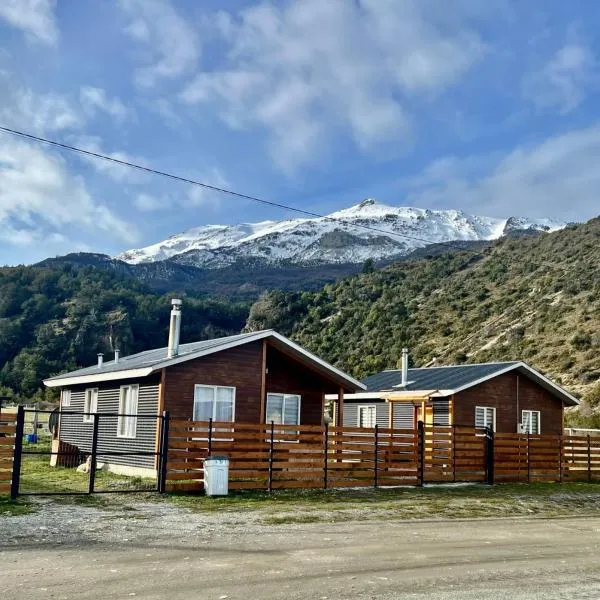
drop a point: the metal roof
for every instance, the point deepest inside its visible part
(453, 379)
(143, 364)
(434, 378)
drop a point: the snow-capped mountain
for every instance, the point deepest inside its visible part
(341, 237)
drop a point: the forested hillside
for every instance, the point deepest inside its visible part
(52, 319)
(535, 299)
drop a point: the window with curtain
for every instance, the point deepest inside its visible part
(530, 421)
(485, 416)
(128, 408)
(90, 404)
(283, 409)
(214, 402)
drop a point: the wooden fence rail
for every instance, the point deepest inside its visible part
(8, 430)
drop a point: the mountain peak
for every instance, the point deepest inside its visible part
(366, 230)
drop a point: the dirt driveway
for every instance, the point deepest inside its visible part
(162, 550)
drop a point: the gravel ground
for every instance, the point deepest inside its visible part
(151, 550)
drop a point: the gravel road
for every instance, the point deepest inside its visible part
(160, 550)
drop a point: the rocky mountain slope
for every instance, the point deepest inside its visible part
(339, 238)
(535, 298)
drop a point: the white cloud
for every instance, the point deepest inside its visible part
(558, 177)
(303, 69)
(149, 203)
(39, 197)
(563, 82)
(21, 107)
(34, 17)
(94, 99)
(170, 43)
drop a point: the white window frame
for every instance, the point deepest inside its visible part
(485, 409)
(285, 396)
(214, 405)
(362, 407)
(65, 398)
(90, 404)
(123, 421)
(539, 422)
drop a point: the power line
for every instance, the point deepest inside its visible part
(221, 190)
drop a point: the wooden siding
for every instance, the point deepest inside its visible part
(74, 431)
(441, 411)
(403, 415)
(501, 393)
(241, 367)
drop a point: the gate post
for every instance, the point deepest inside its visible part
(164, 453)
(94, 451)
(17, 454)
(489, 455)
(421, 451)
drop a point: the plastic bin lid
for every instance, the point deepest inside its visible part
(216, 458)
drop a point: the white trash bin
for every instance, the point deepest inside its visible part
(216, 476)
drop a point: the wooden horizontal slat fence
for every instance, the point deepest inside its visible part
(8, 429)
(310, 456)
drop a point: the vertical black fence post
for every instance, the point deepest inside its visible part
(210, 428)
(18, 454)
(326, 455)
(560, 458)
(489, 455)
(271, 448)
(589, 453)
(376, 480)
(92, 479)
(421, 451)
(164, 453)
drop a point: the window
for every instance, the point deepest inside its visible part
(90, 404)
(128, 408)
(65, 398)
(485, 416)
(214, 402)
(530, 421)
(367, 416)
(283, 409)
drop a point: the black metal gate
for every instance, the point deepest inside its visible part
(72, 452)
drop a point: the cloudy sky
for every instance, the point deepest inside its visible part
(491, 107)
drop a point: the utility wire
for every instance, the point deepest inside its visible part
(221, 190)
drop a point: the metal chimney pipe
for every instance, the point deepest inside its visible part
(174, 328)
(117, 355)
(100, 360)
(404, 366)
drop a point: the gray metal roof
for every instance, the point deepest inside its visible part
(149, 358)
(434, 378)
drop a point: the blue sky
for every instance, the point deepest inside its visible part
(491, 107)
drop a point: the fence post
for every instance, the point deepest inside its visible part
(528, 460)
(210, 428)
(17, 454)
(164, 453)
(453, 434)
(326, 452)
(489, 455)
(94, 451)
(375, 480)
(271, 445)
(589, 453)
(560, 458)
(421, 451)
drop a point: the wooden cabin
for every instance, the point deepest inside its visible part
(509, 397)
(248, 378)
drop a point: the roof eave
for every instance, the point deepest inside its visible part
(97, 377)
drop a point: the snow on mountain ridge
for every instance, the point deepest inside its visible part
(340, 237)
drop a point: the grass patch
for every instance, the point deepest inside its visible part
(449, 502)
(14, 509)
